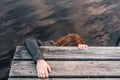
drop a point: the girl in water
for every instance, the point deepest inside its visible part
(42, 66)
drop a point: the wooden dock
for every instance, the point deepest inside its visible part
(69, 63)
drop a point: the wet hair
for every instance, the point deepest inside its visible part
(70, 40)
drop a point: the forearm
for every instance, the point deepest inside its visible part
(33, 49)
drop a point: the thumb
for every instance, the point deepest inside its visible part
(49, 68)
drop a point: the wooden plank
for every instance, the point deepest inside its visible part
(63, 79)
(69, 68)
(64, 70)
(72, 53)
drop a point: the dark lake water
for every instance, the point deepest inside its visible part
(97, 21)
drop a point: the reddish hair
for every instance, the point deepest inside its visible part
(70, 40)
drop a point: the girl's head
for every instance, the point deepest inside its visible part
(70, 40)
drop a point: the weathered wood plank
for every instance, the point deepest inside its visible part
(72, 53)
(69, 68)
(64, 79)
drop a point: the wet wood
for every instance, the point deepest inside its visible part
(93, 63)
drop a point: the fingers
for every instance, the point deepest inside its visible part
(49, 68)
(82, 46)
(46, 73)
(43, 69)
(42, 73)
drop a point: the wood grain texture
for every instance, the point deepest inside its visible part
(50, 52)
(69, 68)
(93, 63)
